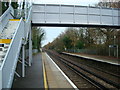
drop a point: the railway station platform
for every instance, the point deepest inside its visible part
(55, 77)
(33, 76)
(104, 59)
(44, 73)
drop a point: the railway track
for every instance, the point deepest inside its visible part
(114, 71)
(94, 78)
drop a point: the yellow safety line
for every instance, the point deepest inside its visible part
(5, 40)
(45, 79)
(14, 19)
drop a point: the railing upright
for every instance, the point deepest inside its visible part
(0, 79)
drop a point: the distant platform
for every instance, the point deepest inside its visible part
(104, 59)
(55, 77)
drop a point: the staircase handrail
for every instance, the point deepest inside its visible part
(5, 18)
(28, 23)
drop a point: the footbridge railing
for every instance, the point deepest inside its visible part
(5, 18)
(28, 22)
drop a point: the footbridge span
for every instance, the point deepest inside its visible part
(74, 15)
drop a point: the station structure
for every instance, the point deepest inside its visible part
(15, 33)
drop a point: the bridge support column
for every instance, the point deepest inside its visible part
(0, 79)
(30, 49)
(23, 61)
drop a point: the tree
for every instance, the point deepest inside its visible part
(38, 35)
(5, 5)
(79, 44)
(109, 3)
(90, 39)
(67, 42)
(14, 5)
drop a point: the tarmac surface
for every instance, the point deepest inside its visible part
(33, 76)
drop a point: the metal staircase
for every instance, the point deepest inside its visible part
(6, 37)
(14, 34)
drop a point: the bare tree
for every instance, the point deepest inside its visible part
(109, 3)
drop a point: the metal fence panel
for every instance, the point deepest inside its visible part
(52, 9)
(81, 19)
(80, 10)
(53, 18)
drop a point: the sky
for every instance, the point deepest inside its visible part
(53, 32)
(70, 2)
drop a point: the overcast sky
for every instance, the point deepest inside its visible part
(53, 32)
(70, 2)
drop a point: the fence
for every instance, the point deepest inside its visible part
(95, 51)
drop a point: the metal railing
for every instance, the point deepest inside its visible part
(10, 61)
(22, 13)
(28, 23)
(5, 18)
(26, 16)
(19, 13)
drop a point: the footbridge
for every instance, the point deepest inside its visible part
(74, 15)
(15, 30)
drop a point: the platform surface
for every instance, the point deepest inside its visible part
(55, 78)
(105, 59)
(34, 75)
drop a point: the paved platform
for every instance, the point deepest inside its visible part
(34, 75)
(105, 59)
(54, 75)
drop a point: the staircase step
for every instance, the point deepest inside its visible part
(5, 40)
(9, 30)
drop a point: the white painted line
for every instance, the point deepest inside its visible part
(72, 84)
